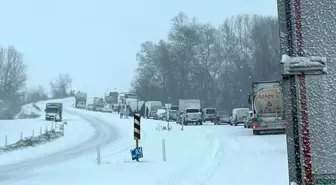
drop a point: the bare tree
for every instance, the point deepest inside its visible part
(13, 72)
(60, 87)
(214, 65)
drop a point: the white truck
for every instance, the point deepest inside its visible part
(112, 98)
(131, 106)
(127, 100)
(308, 49)
(267, 107)
(80, 100)
(151, 108)
(137, 107)
(190, 112)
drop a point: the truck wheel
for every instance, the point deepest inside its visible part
(201, 123)
(235, 124)
(245, 126)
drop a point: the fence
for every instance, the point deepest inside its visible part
(43, 135)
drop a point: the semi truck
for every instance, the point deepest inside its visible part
(80, 99)
(190, 112)
(112, 98)
(307, 46)
(267, 107)
(53, 111)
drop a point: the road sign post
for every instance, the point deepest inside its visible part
(137, 131)
(168, 106)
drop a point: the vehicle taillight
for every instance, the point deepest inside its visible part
(255, 126)
(283, 125)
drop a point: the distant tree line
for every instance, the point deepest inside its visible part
(60, 87)
(214, 64)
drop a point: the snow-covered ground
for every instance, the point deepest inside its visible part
(208, 154)
(76, 131)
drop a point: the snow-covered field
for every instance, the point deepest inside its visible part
(208, 154)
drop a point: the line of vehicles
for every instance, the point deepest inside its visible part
(265, 115)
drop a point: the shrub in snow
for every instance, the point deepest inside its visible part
(33, 141)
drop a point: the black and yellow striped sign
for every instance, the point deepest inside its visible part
(137, 126)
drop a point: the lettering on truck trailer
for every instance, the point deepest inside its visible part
(268, 96)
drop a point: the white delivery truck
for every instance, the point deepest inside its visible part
(131, 106)
(267, 107)
(151, 108)
(308, 48)
(190, 112)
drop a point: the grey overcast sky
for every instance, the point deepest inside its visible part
(95, 41)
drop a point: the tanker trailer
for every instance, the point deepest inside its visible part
(267, 107)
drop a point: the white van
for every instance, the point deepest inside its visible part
(239, 116)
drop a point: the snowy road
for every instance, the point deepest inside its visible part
(198, 155)
(104, 133)
(249, 159)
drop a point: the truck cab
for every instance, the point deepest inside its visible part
(52, 112)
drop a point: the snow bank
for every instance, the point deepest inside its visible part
(28, 111)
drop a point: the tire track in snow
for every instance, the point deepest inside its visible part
(198, 174)
(103, 135)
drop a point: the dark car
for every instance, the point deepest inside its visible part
(223, 117)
